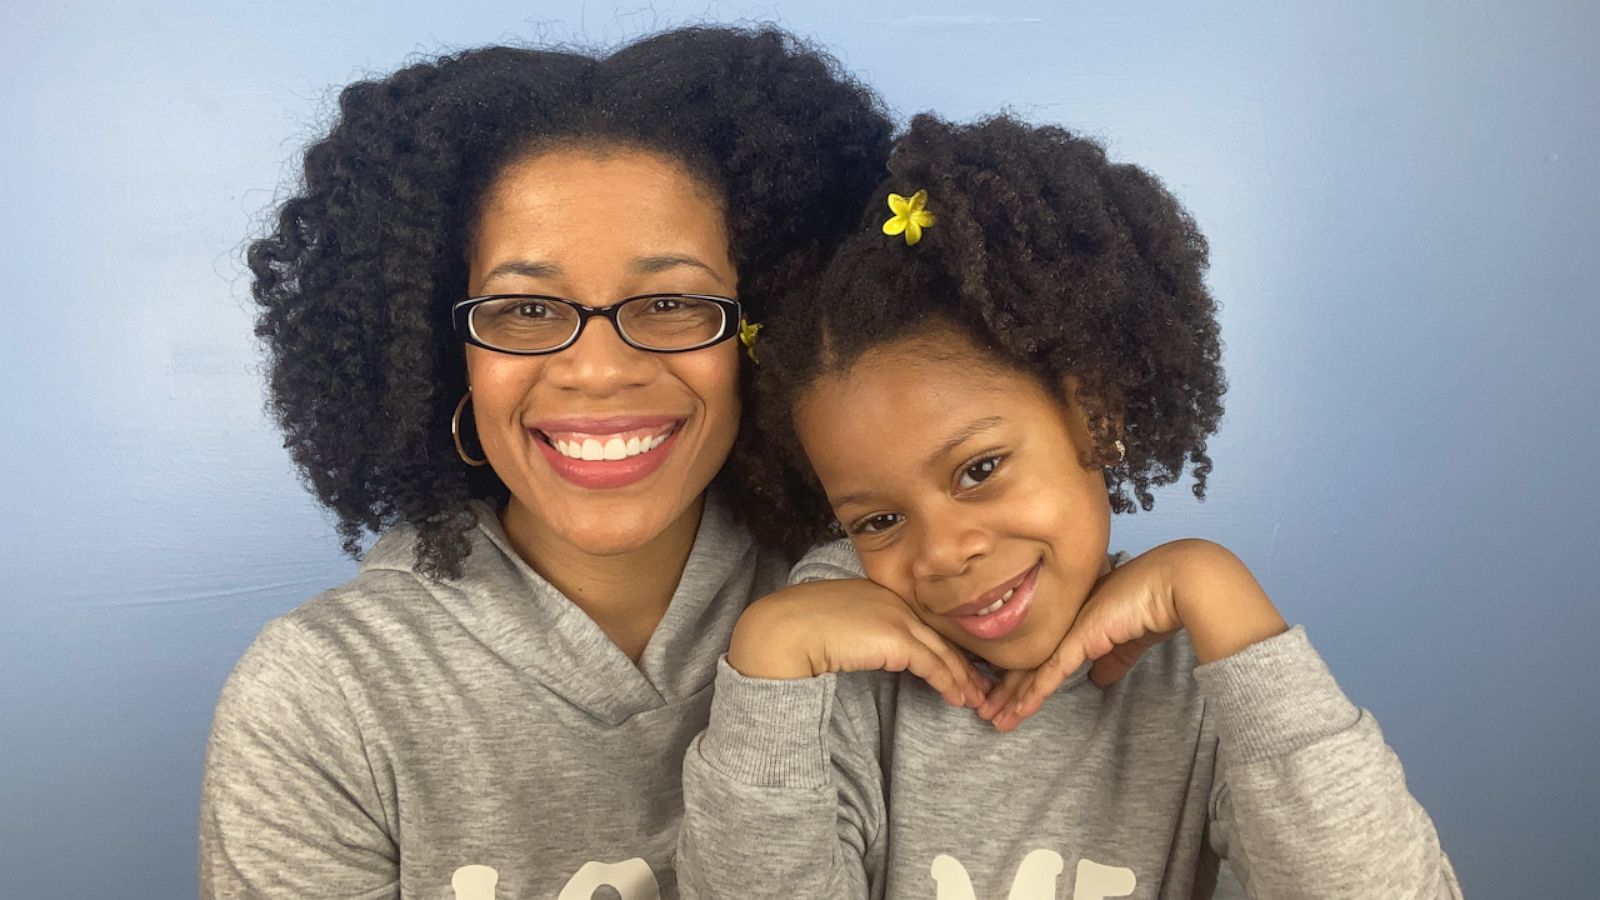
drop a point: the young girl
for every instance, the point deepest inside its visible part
(1016, 340)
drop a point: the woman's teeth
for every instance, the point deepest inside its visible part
(995, 606)
(613, 448)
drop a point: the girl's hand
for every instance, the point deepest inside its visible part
(1190, 584)
(848, 625)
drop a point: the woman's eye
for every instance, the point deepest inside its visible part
(876, 524)
(532, 310)
(666, 304)
(978, 472)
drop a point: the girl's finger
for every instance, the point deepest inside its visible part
(1008, 719)
(923, 661)
(1111, 667)
(972, 684)
(1066, 660)
(1001, 694)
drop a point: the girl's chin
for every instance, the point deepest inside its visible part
(1019, 653)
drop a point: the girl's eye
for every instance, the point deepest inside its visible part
(876, 524)
(978, 472)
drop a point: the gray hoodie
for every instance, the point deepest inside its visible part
(474, 739)
(870, 785)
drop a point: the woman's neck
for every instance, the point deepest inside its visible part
(625, 593)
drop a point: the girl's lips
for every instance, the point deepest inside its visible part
(605, 474)
(1004, 620)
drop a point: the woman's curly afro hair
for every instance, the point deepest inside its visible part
(355, 281)
(1055, 259)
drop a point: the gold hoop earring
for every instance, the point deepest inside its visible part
(455, 432)
(1122, 450)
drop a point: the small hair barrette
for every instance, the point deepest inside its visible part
(747, 336)
(910, 217)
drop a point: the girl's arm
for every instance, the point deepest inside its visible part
(783, 794)
(1310, 802)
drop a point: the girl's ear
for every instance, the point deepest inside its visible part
(1096, 413)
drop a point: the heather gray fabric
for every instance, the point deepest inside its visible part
(480, 738)
(869, 785)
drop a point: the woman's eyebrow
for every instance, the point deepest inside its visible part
(527, 268)
(649, 265)
(976, 426)
(644, 265)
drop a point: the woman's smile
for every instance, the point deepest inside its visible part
(607, 453)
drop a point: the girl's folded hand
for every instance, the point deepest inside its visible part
(848, 625)
(1189, 584)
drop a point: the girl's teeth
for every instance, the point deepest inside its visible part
(995, 606)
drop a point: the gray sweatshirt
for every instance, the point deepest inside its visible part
(870, 785)
(475, 739)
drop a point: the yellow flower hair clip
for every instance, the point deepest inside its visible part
(747, 337)
(910, 217)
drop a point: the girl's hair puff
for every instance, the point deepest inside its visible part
(1057, 260)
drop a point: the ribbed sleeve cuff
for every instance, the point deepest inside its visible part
(770, 732)
(1274, 697)
(827, 562)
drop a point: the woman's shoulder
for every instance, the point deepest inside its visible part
(387, 601)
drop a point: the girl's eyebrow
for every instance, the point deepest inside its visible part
(976, 426)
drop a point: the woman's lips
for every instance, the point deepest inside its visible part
(1000, 622)
(636, 447)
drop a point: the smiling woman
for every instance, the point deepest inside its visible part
(500, 315)
(549, 226)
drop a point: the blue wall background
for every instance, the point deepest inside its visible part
(1404, 207)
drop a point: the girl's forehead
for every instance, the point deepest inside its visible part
(903, 395)
(916, 365)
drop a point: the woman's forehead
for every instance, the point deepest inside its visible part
(574, 214)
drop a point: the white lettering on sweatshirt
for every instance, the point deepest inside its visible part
(631, 879)
(1036, 879)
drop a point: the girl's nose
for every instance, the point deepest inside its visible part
(950, 547)
(600, 362)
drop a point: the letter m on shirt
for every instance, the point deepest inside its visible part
(1036, 879)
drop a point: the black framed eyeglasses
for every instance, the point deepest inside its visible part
(531, 324)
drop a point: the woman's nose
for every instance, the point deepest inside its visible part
(599, 362)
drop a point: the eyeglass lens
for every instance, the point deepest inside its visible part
(534, 323)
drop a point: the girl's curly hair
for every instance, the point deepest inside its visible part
(354, 283)
(1059, 261)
